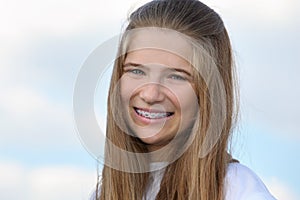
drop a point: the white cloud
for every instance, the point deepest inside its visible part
(26, 18)
(53, 183)
(23, 19)
(23, 101)
(269, 82)
(30, 118)
(281, 191)
(261, 12)
(47, 183)
(11, 180)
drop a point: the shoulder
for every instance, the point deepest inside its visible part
(243, 184)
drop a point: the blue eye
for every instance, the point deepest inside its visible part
(136, 71)
(177, 77)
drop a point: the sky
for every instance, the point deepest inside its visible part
(44, 45)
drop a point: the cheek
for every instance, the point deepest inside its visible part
(188, 102)
(185, 95)
(128, 88)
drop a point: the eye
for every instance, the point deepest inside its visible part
(136, 71)
(177, 77)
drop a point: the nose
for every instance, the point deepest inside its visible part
(152, 93)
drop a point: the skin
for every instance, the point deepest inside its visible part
(160, 82)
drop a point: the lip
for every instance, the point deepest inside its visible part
(145, 120)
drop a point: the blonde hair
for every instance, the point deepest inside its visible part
(192, 175)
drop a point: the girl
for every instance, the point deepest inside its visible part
(172, 109)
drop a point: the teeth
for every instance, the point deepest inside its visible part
(151, 115)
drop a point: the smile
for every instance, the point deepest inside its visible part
(152, 114)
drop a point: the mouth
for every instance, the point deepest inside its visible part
(152, 114)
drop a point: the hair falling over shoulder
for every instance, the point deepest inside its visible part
(191, 176)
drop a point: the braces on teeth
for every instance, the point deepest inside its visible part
(151, 115)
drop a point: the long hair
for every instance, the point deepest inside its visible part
(199, 173)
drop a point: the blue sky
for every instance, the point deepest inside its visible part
(44, 44)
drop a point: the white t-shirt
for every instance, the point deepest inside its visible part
(240, 184)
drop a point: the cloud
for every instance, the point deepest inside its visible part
(61, 183)
(65, 18)
(59, 17)
(268, 74)
(11, 180)
(257, 11)
(281, 190)
(47, 183)
(30, 118)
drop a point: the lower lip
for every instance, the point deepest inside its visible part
(147, 121)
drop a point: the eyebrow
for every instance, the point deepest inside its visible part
(132, 64)
(129, 64)
(167, 68)
(180, 70)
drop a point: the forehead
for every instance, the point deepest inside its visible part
(166, 40)
(157, 57)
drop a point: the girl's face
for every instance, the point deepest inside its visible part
(157, 92)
